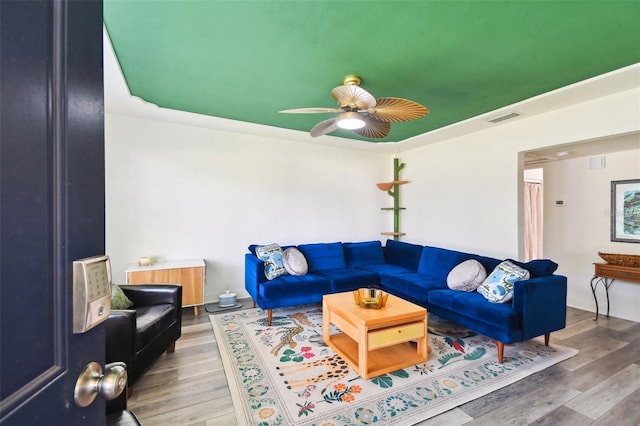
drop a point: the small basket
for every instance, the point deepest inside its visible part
(630, 260)
(370, 298)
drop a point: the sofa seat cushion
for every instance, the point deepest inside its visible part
(151, 321)
(322, 256)
(294, 285)
(412, 286)
(365, 253)
(348, 279)
(474, 305)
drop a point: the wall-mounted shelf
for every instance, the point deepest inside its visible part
(393, 189)
(385, 186)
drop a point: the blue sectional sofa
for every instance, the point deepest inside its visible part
(419, 274)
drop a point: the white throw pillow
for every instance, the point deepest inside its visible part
(466, 276)
(498, 287)
(294, 262)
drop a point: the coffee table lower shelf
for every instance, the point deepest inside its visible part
(381, 360)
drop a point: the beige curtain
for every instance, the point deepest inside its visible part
(532, 220)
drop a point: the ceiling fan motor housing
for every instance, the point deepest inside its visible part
(352, 79)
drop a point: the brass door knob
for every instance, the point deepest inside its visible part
(92, 382)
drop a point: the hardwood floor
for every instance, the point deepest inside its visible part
(599, 386)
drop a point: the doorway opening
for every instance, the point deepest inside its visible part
(533, 214)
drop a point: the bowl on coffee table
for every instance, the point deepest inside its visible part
(370, 298)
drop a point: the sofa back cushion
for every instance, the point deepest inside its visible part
(402, 254)
(322, 256)
(489, 263)
(438, 262)
(364, 253)
(537, 267)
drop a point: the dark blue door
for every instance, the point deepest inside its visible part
(52, 204)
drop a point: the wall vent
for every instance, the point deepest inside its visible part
(504, 117)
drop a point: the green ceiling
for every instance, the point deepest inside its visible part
(246, 60)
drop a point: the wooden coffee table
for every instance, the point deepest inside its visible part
(375, 341)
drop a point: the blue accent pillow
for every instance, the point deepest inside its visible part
(498, 287)
(271, 255)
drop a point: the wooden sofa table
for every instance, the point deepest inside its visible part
(606, 274)
(375, 341)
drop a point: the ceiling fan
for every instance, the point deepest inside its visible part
(359, 111)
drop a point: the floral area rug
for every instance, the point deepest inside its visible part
(285, 374)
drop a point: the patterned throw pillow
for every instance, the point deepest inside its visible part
(498, 287)
(466, 276)
(294, 262)
(119, 300)
(271, 255)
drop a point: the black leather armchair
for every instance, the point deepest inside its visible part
(140, 335)
(117, 413)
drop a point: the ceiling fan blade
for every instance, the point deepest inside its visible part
(374, 128)
(310, 110)
(324, 127)
(353, 96)
(397, 109)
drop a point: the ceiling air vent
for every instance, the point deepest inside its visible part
(504, 117)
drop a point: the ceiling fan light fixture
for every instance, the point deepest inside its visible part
(350, 120)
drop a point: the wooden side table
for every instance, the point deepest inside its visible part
(190, 274)
(606, 274)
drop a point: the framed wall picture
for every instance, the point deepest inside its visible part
(625, 211)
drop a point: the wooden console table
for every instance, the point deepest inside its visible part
(606, 274)
(189, 274)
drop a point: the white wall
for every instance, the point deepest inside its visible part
(183, 192)
(465, 193)
(462, 196)
(575, 233)
(176, 191)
